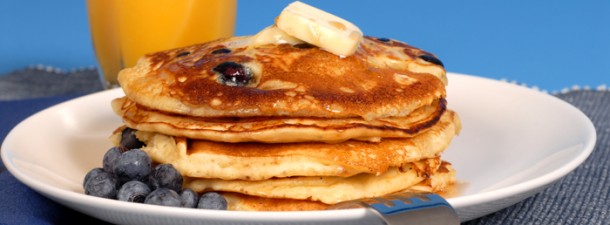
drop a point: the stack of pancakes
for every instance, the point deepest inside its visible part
(285, 126)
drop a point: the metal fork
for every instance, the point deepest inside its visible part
(418, 208)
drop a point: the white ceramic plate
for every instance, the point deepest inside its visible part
(514, 143)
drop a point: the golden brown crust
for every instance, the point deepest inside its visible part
(387, 78)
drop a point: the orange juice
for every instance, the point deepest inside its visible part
(124, 30)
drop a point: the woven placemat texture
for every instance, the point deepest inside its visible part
(39, 81)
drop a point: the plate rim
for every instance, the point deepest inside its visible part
(542, 180)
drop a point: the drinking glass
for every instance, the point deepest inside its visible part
(124, 30)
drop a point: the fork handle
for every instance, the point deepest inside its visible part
(428, 209)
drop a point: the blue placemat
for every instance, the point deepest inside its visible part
(44, 81)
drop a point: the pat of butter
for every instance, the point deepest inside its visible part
(274, 35)
(320, 28)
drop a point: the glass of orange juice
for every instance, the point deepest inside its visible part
(124, 30)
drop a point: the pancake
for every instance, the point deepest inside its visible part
(277, 129)
(274, 123)
(332, 189)
(259, 161)
(390, 78)
(241, 202)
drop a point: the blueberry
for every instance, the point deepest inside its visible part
(212, 200)
(181, 54)
(166, 176)
(133, 191)
(163, 196)
(432, 59)
(101, 184)
(233, 74)
(189, 198)
(303, 45)
(221, 51)
(383, 39)
(132, 165)
(129, 140)
(110, 158)
(92, 173)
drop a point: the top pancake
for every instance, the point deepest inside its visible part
(384, 78)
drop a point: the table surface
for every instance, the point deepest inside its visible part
(582, 197)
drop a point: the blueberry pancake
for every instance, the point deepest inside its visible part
(284, 93)
(232, 78)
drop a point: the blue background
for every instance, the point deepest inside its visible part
(548, 44)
